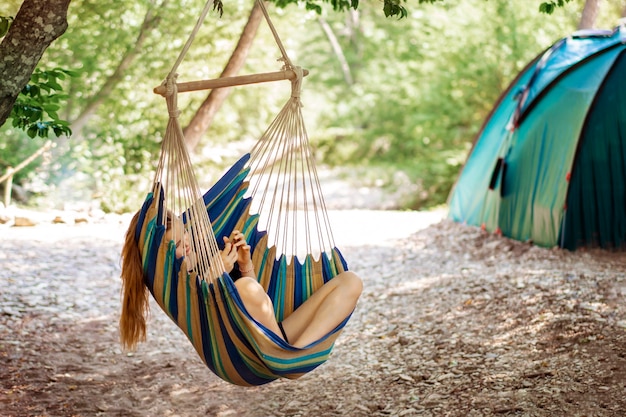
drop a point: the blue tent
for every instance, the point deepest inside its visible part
(549, 164)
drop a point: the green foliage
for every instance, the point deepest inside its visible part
(421, 86)
(417, 103)
(119, 147)
(5, 23)
(337, 5)
(36, 108)
(218, 6)
(390, 7)
(15, 146)
(34, 112)
(394, 8)
(548, 7)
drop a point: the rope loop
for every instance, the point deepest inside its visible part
(171, 96)
(170, 85)
(296, 84)
(286, 64)
(285, 58)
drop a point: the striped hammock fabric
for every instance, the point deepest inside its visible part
(285, 224)
(231, 343)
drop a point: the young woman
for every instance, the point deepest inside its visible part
(317, 316)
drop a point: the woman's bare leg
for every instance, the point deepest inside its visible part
(257, 302)
(324, 310)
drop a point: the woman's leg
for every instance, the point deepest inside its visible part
(257, 302)
(324, 310)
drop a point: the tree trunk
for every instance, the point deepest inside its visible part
(334, 43)
(37, 24)
(589, 15)
(150, 22)
(203, 117)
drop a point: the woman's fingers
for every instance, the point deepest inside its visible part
(238, 239)
(229, 246)
(243, 255)
(237, 242)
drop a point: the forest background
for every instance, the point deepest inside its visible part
(389, 103)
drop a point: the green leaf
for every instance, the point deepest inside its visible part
(60, 129)
(57, 73)
(51, 107)
(393, 8)
(32, 131)
(547, 8)
(71, 73)
(45, 87)
(34, 114)
(314, 7)
(217, 5)
(54, 85)
(4, 26)
(42, 129)
(34, 91)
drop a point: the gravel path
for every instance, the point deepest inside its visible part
(452, 322)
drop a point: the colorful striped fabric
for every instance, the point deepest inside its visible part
(231, 343)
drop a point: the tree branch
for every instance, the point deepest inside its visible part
(203, 117)
(150, 22)
(334, 43)
(37, 24)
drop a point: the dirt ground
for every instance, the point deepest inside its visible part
(452, 322)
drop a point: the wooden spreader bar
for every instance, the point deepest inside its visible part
(231, 81)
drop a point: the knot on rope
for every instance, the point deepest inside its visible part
(296, 85)
(170, 85)
(174, 113)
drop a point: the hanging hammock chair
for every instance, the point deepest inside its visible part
(273, 196)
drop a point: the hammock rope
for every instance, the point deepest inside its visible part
(273, 196)
(284, 152)
(279, 43)
(192, 36)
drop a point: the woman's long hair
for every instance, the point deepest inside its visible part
(135, 306)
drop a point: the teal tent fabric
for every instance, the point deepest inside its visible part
(597, 195)
(548, 163)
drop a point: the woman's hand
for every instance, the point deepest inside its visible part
(244, 258)
(229, 255)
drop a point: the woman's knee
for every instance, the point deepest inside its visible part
(252, 293)
(351, 283)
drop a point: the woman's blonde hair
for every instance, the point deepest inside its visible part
(135, 306)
